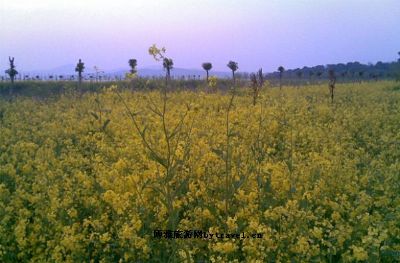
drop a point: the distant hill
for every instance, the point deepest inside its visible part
(61, 70)
(350, 70)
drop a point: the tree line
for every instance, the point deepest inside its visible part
(348, 71)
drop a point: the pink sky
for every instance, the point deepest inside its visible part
(256, 33)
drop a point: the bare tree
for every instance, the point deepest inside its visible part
(332, 82)
(257, 81)
(133, 63)
(12, 72)
(80, 67)
(168, 65)
(98, 72)
(207, 66)
(281, 70)
(233, 66)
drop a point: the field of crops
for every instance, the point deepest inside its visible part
(122, 176)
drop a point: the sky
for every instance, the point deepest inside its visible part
(45, 34)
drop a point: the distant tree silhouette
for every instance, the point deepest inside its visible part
(98, 72)
(396, 72)
(373, 76)
(207, 66)
(332, 82)
(233, 66)
(299, 74)
(349, 71)
(80, 67)
(12, 72)
(360, 74)
(132, 63)
(168, 65)
(310, 75)
(281, 70)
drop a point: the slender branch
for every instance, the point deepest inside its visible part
(136, 125)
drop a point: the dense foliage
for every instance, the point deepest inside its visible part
(351, 71)
(89, 178)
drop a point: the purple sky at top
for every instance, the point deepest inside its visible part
(44, 34)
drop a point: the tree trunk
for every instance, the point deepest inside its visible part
(80, 82)
(12, 86)
(167, 77)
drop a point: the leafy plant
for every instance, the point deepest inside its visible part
(159, 54)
